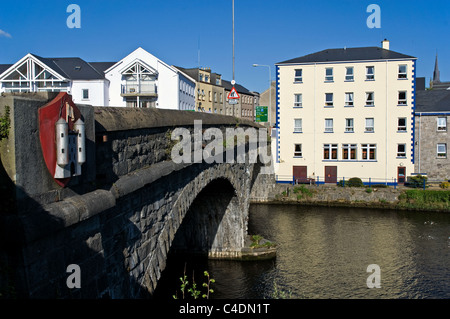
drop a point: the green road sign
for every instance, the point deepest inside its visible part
(261, 113)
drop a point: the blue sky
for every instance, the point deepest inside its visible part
(266, 32)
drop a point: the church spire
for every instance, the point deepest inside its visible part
(436, 74)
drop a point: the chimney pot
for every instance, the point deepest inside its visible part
(385, 44)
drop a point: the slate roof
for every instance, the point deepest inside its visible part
(102, 66)
(430, 101)
(4, 67)
(239, 88)
(349, 54)
(71, 68)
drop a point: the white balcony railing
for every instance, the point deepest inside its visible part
(141, 89)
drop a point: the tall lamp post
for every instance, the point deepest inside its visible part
(270, 91)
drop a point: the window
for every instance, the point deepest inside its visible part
(298, 75)
(298, 100)
(201, 76)
(442, 150)
(369, 151)
(328, 99)
(297, 125)
(298, 150)
(370, 125)
(348, 99)
(401, 150)
(329, 75)
(221, 97)
(215, 96)
(330, 151)
(402, 98)
(329, 125)
(442, 124)
(402, 71)
(85, 94)
(401, 124)
(349, 151)
(207, 78)
(370, 73)
(349, 74)
(370, 99)
(349, 125)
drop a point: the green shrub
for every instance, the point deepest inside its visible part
(444, 185)
(354, 182)
(369, 190)
(5, 123)
(417, 181)
(302, 190)
(379, 186)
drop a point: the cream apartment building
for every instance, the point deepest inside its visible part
(344, 113)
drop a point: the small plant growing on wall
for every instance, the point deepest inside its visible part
(5, 124)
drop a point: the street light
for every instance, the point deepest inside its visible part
(270, 91)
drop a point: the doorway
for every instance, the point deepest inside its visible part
(330, 174)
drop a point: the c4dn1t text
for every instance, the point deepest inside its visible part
(227, 308)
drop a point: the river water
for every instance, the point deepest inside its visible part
(324, 253)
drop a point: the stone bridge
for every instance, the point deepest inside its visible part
(121, 217)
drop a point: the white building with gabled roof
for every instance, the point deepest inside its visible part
(75, 76)
(138, 80)
(142, 80)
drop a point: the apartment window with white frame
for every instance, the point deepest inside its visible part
(402, 100)
(349, 99)
(349, 151)
(298, 76)
(349, 76)
(330, 151)
(402, 71)
(369, 152)
(328, 99)
(328, 125)
(401, 127)
(370, 73)
(297, 125)
(349, 125)
(329, 75)
(401, 150)
(298, 150)
(442, 124)
(370, 125)
(298, 98)
(370, 99)
(442, 150)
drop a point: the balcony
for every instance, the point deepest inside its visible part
(142, 89)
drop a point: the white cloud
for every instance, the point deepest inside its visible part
(5, 34)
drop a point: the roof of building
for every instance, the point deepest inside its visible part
(102, 66)
(71, 68)
(239, 88)
(432, 101)
(77, 69)
(4, 67)
(349, 54)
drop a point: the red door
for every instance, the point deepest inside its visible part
(300, 174)
(330, 174)
(401, 175)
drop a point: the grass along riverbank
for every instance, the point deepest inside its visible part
(376, 197)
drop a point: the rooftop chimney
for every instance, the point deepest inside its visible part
(385, 44)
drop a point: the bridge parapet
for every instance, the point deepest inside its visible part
(118, 220)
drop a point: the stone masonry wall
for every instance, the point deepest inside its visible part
(426, 160)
